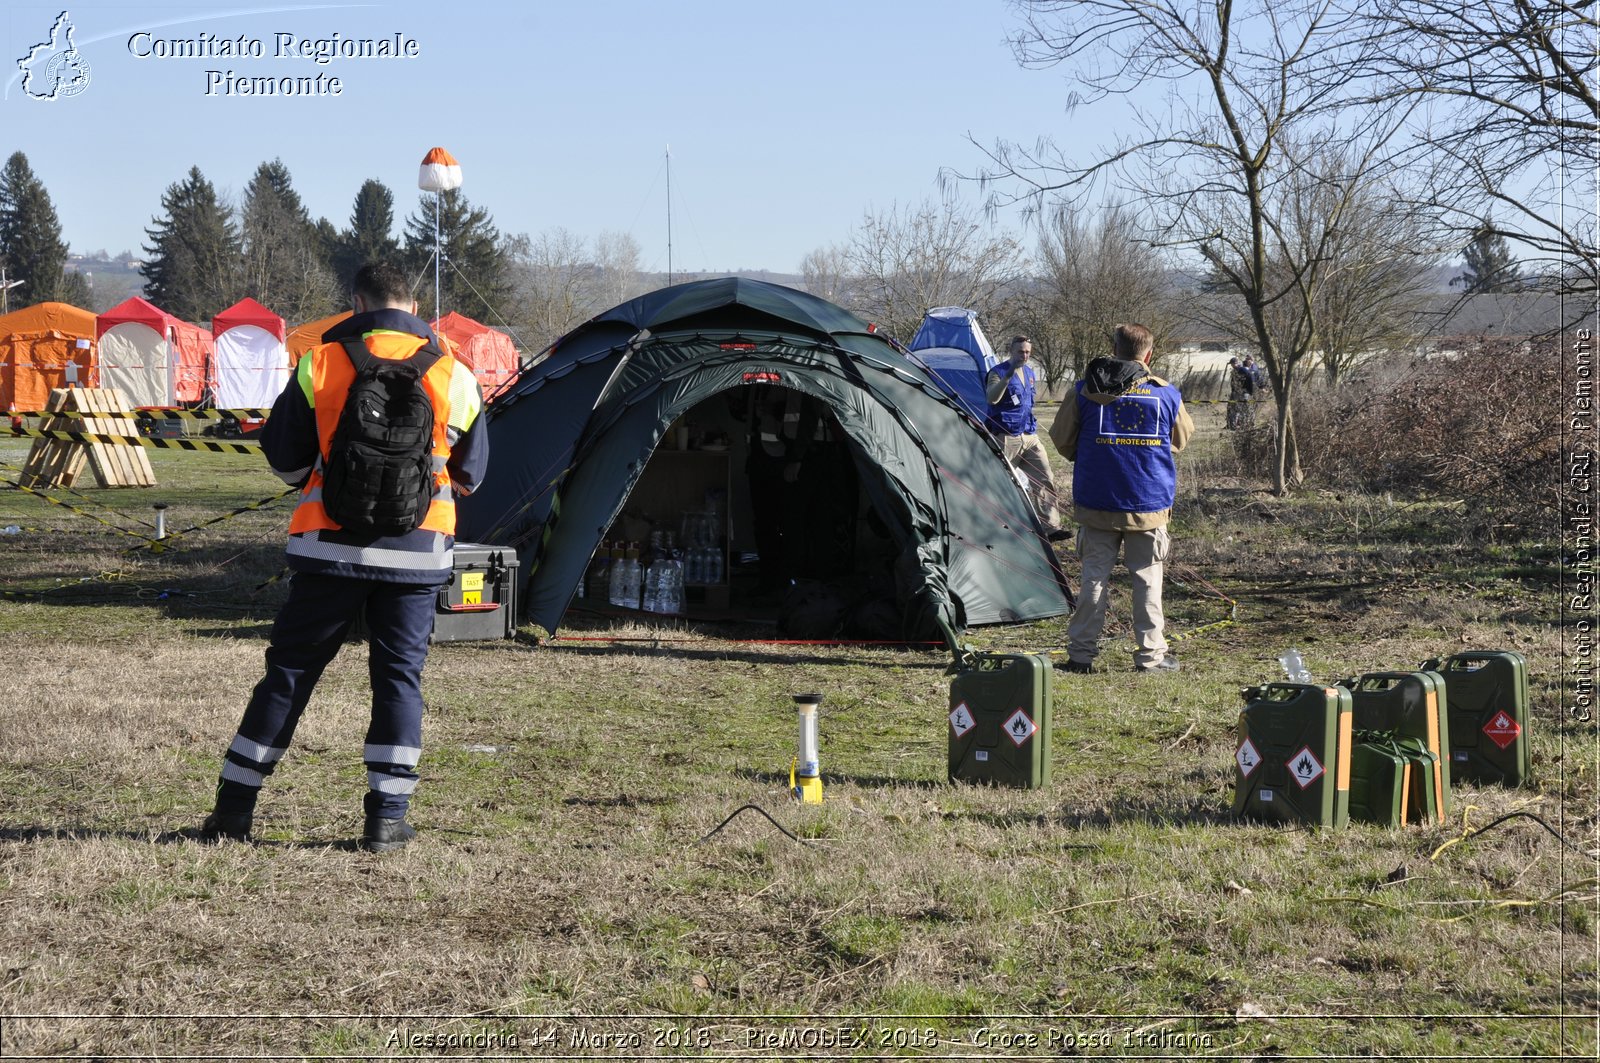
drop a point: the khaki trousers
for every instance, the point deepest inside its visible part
(1145, 554)
(1026, 454)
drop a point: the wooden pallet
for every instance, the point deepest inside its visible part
(59, 462)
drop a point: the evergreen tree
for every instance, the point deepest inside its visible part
(370, 237)
(284, 264)
(1490, 267)
(75, 289)
(30, 234)
(476, 272)
(328, 245)
(192, 264)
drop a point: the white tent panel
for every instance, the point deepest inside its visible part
(252, 367)
(137, 360)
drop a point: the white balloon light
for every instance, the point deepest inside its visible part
(440, 172)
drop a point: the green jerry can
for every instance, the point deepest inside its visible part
(1000, 719)
(1293, 759)
(1487, 708)
(1406, 705)
(1380, 777)
(1422, 799)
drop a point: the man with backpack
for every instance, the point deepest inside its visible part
(382, 430)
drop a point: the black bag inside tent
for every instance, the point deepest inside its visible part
(572, 436)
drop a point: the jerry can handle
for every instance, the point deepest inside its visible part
(1282, 691)
(1377, 682)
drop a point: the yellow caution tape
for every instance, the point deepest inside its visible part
(205, 445)
(152, 412)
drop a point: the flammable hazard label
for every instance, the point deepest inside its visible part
(1304, 767)
(961, 720)
(1019, 727)
(1248, 758)
(1502, 729)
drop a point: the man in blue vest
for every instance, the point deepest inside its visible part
(1120, 430)
(1010, 389)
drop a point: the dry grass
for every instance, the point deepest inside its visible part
(564, 878)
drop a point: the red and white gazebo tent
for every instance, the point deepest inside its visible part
(154, 358)
(251, 362)
(488, 352)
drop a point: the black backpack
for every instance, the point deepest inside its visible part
(379, 475)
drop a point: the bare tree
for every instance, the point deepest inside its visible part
(549, 274)
(905, 262)
(1513, 130)
(560, 280)
(1097, 272)
(616, 266)
(826, 273)
(1259, 94)
(1374, 295)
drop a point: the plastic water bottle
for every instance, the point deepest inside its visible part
(633, 593)
(1294, 666)
(616, 579)
(674, 596)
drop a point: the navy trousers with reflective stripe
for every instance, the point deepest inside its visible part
(307, 634)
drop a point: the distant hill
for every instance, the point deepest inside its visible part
(111, 279)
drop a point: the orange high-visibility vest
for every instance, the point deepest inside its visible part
(325, 375)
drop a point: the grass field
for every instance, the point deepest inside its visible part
(567, 896)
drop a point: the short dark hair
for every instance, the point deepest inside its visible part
(1132, 341)
(382, 284)
(1016, 340)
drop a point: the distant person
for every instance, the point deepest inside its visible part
(1120, 429)
(1241, 391)
(390, 574)
(1011, 389)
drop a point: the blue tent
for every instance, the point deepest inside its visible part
(951, 346)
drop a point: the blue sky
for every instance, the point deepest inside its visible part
(786, 121)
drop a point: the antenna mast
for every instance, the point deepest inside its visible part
(669, 213)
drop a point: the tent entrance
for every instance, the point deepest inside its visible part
(761, 495)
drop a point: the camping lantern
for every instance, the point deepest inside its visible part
(161, 520)
(805, 777)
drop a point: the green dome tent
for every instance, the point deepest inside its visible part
(574, 433)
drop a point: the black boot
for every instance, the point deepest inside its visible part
(219, 825)
(386, 835)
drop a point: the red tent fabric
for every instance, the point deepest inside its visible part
(153, 357)
(248, 312)
(488, 352)
(249, 365)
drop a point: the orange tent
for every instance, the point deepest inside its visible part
(36, 345)
(304, 337)
(488, 352)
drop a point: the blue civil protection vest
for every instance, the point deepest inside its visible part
(1125, 462)
(1013, 415)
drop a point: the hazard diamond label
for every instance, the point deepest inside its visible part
(1502, 729)
(1247, 757)
(961, 720)
(1019, 728)
(1304, 767)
